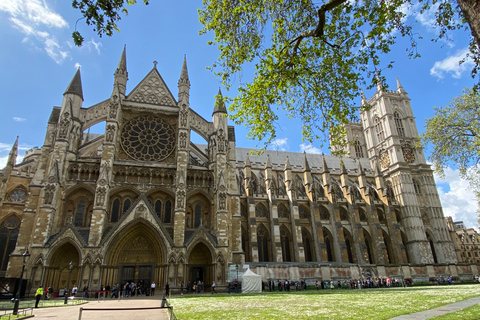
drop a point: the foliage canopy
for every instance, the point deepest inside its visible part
(311, 59)
(454, 132)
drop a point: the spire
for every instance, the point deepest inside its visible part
(122, 64)
(364, 99)
(184, 83)
(324, 162)
(219, 104)
(268, 164)
(121, 74)
(362, 179)
(184, 73)
(399, 87)
(379, 81)
(247, 161)
(360, 169)
(75, 85)
(287, 165)
(12, 157)
(377, 171)
(343, 170)
(306, 166)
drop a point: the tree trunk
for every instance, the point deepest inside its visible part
(471, 12)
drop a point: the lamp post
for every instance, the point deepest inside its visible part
(25, 256)
(70, 268)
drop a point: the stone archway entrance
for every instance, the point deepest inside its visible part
(136, 256)
(58, 275)
(200, 266)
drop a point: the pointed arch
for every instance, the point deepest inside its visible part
(304, 212)
(399, 123)
(9, 230)
(246, 244)
(389, 257)
(432, 246)
(324, 213)
(349, 246)
(308, 245)
(137, 239)
(261, 211)
(343, 214)
(328, 240)
(263, 240)
(368, 252)
(286, 242)
(283, 211)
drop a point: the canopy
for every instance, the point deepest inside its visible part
(251, 282)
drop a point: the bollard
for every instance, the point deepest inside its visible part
(80, 313)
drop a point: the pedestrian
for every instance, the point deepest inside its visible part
(181, 288)
(213, 288)
(235, 285)
(38, 296)
(167, 290)
(47, 293)
(74, 290)
(316, 284)
(152, 289)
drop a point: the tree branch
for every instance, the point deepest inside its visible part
(318, 31)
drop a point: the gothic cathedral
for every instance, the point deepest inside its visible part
(143, 203)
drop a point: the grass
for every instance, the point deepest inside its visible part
(323, 304)
(470, 313)
(8, 305)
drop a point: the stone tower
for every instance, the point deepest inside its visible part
(391, 143)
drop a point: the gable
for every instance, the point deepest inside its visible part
(152, 90)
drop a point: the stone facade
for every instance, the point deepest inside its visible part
(466, 241)
(143, 203)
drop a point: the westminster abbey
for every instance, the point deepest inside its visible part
(143, 203)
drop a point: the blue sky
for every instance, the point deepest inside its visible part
(38, 60)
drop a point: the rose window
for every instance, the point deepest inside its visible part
(148, 138)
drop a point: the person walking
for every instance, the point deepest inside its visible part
(38, 296)
(167, 290)
(213, 288)
(152, 289)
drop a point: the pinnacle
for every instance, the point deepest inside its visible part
(75, 85)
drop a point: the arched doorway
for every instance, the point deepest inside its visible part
(135, 255)
(200, 266)
(58, 274)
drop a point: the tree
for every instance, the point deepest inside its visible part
(310, 59)
(454, 132)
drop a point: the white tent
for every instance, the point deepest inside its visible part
(251, 282)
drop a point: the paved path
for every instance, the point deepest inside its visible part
(440, 311)
(72, 312)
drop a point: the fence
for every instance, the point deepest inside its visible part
(21, 312)
(164, 305)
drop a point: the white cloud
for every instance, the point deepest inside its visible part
(33, 18)
(54, 50)
(3, 162)
(96, 45)
(451, 65)
(18, 119)
(308, 148)
(459, 201)
(77, 65)
(280, 144)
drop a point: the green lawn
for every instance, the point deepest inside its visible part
(326, 304)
